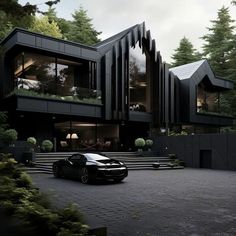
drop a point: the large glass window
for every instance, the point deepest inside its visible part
(39, 75)
(139, 82)
(87, 136)
(212, 101)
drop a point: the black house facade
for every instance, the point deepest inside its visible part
(103, 97)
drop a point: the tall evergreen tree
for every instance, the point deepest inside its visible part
(81, 29)
(185, 53)
(218, 42)
(63, 24)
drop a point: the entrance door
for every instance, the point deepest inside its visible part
(205, 159)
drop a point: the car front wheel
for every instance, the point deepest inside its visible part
(57, 172)
(84, 175)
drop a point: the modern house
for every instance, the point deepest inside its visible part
(103, 97)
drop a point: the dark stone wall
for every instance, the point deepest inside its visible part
(190, 148)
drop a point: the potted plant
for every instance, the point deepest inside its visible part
(29, 156)
(140, 143)
(149, 143)
(47, 145)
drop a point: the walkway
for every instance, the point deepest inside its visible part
(152, 203)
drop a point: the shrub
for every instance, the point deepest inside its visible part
(32, 141)
(21, 200)
(47, 145)
(9, 136)
(149, 142)
(139, 142)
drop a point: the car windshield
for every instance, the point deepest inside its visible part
(95, 157)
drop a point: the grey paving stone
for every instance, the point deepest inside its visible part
(196, 202)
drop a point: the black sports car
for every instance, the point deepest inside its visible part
(90, 166)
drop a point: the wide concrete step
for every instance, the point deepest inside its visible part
(133, 161)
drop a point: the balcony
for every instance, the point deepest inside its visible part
(56, 91)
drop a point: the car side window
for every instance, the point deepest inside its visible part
(75, 158)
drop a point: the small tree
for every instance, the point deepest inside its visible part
(140, 143)
(32, 142)
(9, 136)
(47, 145)
(149, 143)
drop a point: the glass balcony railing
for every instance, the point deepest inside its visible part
(57, 91)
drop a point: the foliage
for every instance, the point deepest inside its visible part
(19, 198)
(81, 29)
(139, 142)
(185, 53)
(31, 93)
(220, 48)
(43, 26)
(13, 14)
(149, 142)
(9, 136)
(174, 133)
(217, 46)
(47, 145)
(31, 141)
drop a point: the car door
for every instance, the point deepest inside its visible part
(78, 162)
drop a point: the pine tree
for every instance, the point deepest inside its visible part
(64, 25)
(81, 29)
(218, 42)
(185, 53)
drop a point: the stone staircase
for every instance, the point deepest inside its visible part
(133, 160)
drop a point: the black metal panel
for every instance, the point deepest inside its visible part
(115, 81)
(58, 107)
(108, 88)
(31, 104)
(38, 42)
(86, 110)
(1, 75)
(50, 44)
(167, 90)
(177, 100)
(123, 78)
(172, 98)
(140, 116)
(28, 39)
(231, 150)
(89, 54)
(189, 148)
(72, 50)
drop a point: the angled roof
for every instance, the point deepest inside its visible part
(114, 37)
(197, 71)
(186, 71)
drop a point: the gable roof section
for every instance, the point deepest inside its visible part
(186, 71)
(114, 38)
(197, 71)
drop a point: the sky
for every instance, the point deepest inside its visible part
(168, 20)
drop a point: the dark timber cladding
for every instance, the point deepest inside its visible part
(116, 54)
(157, 97)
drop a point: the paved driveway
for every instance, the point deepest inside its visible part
(174, 202)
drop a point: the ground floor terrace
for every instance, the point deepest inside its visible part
(79, 133)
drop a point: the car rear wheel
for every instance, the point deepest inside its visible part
(84, 175)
